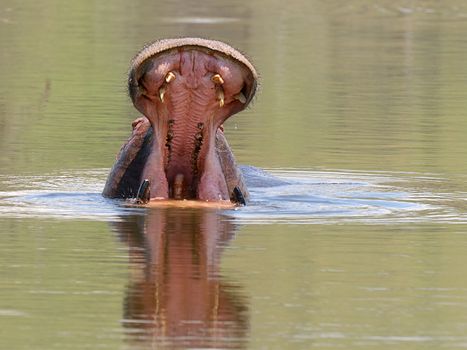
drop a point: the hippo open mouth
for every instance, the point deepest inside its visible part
(186, 88)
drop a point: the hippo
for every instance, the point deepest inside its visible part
(185, 88)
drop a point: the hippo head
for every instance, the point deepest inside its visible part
(187, 88)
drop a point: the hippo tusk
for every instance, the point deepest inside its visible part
(143, 195)
(241, 97)
(169, 77)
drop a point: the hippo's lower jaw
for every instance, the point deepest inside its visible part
(182, 161)
(186, 88)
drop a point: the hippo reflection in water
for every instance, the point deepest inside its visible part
(186, 89)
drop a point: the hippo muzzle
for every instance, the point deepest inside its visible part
(186, 89)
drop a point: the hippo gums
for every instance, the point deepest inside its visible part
(186, 89)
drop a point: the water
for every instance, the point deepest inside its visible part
(358, 241)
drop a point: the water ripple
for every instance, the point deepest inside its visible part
(290, 196)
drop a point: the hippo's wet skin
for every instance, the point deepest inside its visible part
(185, 88)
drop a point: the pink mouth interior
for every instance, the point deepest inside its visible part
(179, 93)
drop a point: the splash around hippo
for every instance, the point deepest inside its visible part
(185, 88)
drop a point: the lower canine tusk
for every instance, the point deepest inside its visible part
(162, 93)
(241, 97)
(220, 96)
(143, 195)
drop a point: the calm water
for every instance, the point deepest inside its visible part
(359, 244)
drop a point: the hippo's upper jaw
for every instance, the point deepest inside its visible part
(187, 88)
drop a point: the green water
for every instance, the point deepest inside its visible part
(362, 110)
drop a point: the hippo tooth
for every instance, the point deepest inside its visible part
(162, 93)
(241, 97)
(217, 79)
(169, 77)
(143, 195)
(220, 96)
